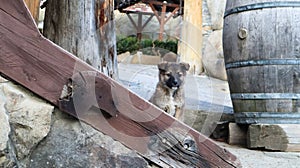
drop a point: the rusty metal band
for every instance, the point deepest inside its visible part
(247, 63)
(262, 5)
(264, 96)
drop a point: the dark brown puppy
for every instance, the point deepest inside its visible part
(169, 93)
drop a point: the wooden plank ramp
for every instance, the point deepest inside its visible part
(78, 89)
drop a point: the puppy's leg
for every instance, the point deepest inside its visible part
(179, 113)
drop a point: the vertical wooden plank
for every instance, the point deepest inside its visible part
(34, 8)
(140, 26)
(190, 45)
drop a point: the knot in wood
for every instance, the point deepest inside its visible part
(189, 144)
(164, 140)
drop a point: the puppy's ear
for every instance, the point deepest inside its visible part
(185, 66)
(162, 66)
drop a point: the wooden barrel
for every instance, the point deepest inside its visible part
(261, 42)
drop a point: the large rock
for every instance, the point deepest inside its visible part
(214, 10)
(75, 144)
(213, 58)
(29, 122)
(5, 128)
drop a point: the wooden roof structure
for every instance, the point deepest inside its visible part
(122, 4)
(140, 9)
(156, 8)
(80, 90)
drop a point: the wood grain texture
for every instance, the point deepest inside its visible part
(46, 69)
(272, 34)
(190, 45)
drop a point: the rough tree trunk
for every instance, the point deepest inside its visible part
(86, 29)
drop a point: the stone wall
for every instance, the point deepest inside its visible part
(34, 133)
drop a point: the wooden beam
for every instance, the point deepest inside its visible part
(172, 14)
(140, 26)
(132, 21)
(277, 137)
(161, 3)
(155, 12)
(80, 90)
(162, 21)
(147, 21)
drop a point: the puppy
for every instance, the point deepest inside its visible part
(169, 93)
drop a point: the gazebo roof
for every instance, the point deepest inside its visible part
(138, 7)
(122, 4)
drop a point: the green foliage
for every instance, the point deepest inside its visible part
(132, 45)
(146, 43)
(127, 44)
(166, 46)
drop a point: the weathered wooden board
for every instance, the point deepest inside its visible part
(278, 137)
(47, 70)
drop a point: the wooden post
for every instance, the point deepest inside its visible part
(140, 26)
(162, 21)
(190, 44)
(86, 93)
(34, 8)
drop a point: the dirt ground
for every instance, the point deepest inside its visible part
(201, 93)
